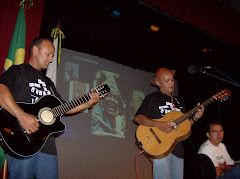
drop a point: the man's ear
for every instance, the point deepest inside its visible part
(207, 134)
(157, 82)
(35, 50)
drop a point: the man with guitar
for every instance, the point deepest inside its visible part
(26, 83)
(156, 106)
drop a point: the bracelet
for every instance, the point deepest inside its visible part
(194, 120)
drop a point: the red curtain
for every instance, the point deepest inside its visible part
(8, 16)
(209, 15)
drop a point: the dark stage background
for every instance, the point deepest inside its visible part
(124, 51)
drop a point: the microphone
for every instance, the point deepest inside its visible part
(194, 69)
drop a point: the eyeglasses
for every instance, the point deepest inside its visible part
(216, 131)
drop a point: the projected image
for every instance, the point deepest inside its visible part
(71, 71)
(77, 89)
(108, 116)
(137, 97)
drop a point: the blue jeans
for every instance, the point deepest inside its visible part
(233, 173)
(170, 167)
(41, 166)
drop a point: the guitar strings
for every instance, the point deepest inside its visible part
(190, 114)
(63, 108)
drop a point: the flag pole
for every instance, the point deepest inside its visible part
(27, 4)
(51, 72)
(25, 7)
(56, 32)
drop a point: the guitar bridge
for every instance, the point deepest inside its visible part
(141, 143)
(29, 137)
(155, 135)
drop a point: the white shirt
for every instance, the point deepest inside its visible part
(218, 154)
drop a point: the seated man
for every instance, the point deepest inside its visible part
(217, 152)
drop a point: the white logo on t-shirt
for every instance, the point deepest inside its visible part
(38, 89)
(168, 107)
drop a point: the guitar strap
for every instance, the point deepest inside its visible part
(52, 91)
(47, 82)
(173, 103)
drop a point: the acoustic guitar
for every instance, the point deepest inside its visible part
(157, 143)
(48, 110)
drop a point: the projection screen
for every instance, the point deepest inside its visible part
(100, 142)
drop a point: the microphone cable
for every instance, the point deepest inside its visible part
(137, 163)
(225, 75)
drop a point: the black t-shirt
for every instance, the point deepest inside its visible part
(28, 85)
(156, 105)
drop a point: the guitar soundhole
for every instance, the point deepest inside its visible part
(173, 124)
(46, 117)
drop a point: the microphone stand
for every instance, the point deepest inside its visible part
(230, 82)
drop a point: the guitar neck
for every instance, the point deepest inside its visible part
(192, 112)
(101, 90)
(65, 107)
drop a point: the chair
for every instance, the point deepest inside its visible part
(202, 167)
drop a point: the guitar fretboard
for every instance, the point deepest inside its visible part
(192, 112)
(101, 90)
(65, 107)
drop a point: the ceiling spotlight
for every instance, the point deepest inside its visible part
(153, 28)
(206, 49)
(113, 12)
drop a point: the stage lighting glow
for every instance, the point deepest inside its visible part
(153, 28)
(114, 13)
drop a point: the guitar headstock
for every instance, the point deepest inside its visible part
(222, 95)
(102, 90)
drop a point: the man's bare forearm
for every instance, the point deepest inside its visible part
(7, 102)
(143, 120)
